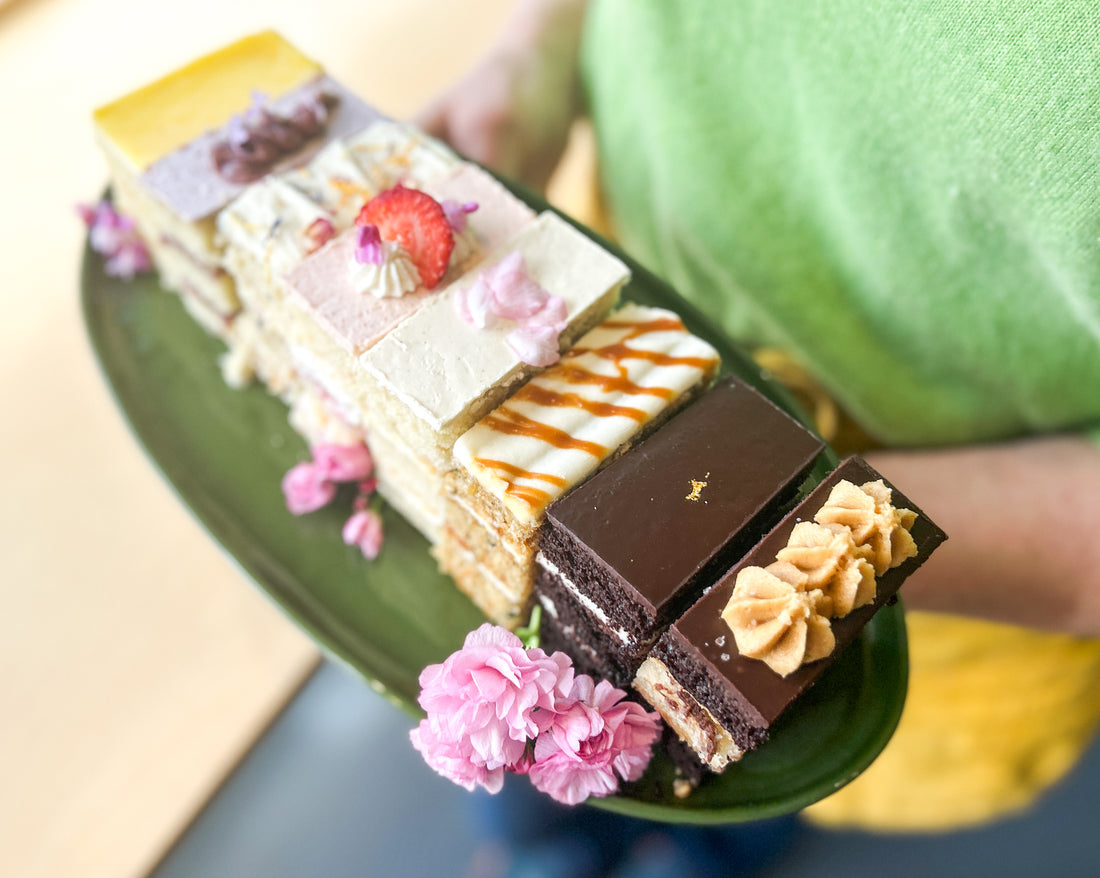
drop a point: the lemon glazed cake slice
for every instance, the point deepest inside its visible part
(181, 148)
(621, 380)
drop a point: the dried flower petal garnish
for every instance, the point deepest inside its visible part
(505, 291)
(318, 233)
(456, 213)
(256, 140)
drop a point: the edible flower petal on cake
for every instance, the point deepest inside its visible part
(505, 291)
(382, 268)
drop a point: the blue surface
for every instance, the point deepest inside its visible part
(335, 789)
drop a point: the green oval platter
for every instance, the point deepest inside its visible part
(224, 452)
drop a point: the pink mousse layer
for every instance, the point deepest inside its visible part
(322, 285)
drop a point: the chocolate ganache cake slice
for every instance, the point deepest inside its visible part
(625, 553)
(774, 623)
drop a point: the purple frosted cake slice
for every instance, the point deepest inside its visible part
(625, 553)
(723, 703)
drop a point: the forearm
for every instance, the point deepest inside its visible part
(1022, 521)
(514, 110)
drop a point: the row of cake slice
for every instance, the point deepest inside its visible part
(491, 457)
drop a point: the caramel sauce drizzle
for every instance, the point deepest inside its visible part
(528, 493)
(510, 422)
(548, 398)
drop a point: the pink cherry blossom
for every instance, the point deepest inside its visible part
(454, 759)
(114, 236)
(343, 463)
(591, 745)
(364, 529)
(535, 345)
(490, 697)
(307, 489)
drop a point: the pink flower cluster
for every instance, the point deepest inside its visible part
(311, 485)
(495, 707)
(506, 291)
(112, 235)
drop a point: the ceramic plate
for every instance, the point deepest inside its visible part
(224, 451)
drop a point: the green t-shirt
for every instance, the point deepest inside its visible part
(906, 196)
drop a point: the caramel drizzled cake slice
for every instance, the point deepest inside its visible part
(176, 148)
(624, 554)
(723, 701)
(621, 380)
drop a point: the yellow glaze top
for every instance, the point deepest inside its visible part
(151, 122)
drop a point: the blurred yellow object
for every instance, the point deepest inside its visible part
(995, 715)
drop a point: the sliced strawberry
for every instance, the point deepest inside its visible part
(417, 222)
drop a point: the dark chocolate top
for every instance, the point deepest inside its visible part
(661, 513)
(702, 635)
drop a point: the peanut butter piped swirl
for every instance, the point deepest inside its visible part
(831, 561)
(827, 569)
(777, 619)
(878, 528)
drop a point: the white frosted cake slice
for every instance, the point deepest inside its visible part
(437, 374)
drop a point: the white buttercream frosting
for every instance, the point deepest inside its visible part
(393, 277)
(269, 220)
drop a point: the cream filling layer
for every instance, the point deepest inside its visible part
(584, 600)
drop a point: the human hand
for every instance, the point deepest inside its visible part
(514, 110)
